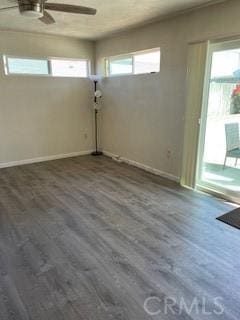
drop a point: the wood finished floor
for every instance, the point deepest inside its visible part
(90, 239)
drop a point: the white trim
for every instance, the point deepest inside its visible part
(142, 166)
(43, 159)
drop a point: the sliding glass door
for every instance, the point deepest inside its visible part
(219, 151)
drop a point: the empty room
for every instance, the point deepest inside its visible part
(119, 160)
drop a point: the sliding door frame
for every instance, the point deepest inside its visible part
(208, 187)
(197, 55)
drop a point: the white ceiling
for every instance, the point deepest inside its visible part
(112, 16)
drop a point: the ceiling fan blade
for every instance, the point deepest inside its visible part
(8, 8)
(47, 18)
(69, 8)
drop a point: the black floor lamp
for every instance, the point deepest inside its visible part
(97, 96)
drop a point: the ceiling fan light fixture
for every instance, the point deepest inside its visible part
(32, 11)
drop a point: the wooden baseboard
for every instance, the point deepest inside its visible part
(142, 166)
(43, 159)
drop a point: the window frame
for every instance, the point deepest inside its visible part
(88, 64)
(49, 62)
(8, 73)
(131, 55)
(116, 58)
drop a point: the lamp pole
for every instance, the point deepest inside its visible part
(96, 152)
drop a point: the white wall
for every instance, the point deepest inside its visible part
(44, 116)
(143, 115)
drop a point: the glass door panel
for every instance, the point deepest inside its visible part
(219, 165)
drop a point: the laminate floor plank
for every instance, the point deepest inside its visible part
(88, 238)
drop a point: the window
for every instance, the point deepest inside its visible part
(46, 67)
(27, 66)
(121, 66)
(69, 68)
(135, 63)
(147, 62)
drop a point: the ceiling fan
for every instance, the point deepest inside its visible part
(37, 9)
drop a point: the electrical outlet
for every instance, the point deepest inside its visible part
(169, 153)
(85, 136)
